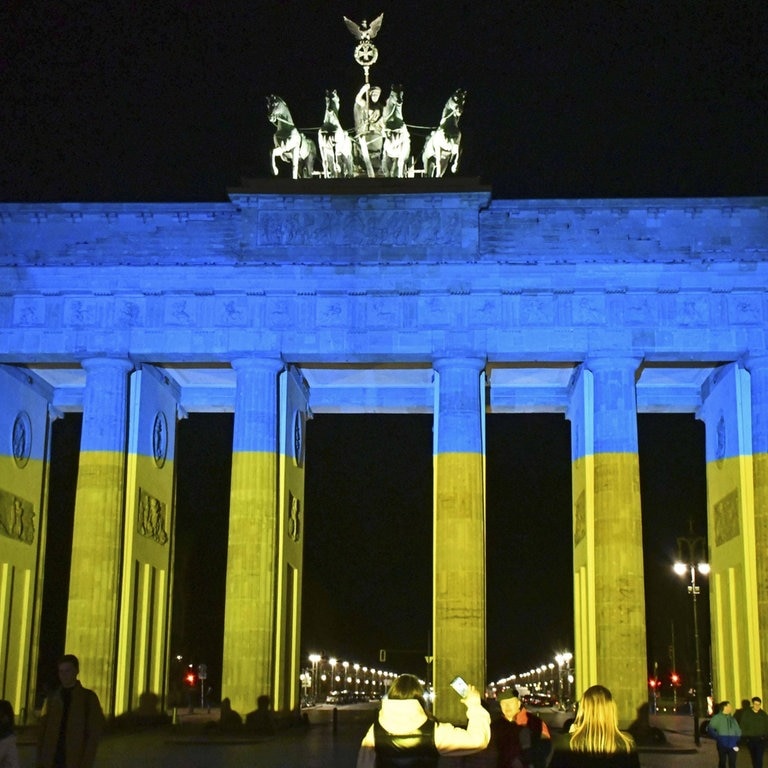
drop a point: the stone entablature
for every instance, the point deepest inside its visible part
(662, 231)
(387, 276)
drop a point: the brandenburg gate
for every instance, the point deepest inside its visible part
(360, 295)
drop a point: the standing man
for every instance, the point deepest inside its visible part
(520, 738)
(726, 733)
(71, 723)
(754, 730)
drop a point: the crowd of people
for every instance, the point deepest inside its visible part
(405, 734)
(747, 727)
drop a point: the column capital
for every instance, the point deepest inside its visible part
(459, 361)
(90, 364)
(254, 362)
(755, 363)
(612, 362)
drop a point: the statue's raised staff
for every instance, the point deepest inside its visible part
(396, 151)
(368, 117)
(443, 146)
(334, 142)
(291, 145)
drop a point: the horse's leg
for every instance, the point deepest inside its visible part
(321, 145)
(276, 152)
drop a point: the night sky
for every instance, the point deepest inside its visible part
(165, 101)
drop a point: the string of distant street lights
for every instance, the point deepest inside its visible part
(324, 679)
(534, 680)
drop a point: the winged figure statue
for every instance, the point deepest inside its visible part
(365, 31)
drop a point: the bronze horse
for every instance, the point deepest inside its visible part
(443, 145)
(291, 145)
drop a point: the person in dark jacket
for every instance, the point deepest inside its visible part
(71, 723)
(9, 755)
(754, 730)
(519, 738)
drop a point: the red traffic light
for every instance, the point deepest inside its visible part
(675, 678)
(189, 678)
(653, 683)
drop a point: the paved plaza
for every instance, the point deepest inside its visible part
(319, 745)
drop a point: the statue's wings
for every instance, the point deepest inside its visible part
(366, 31)
(353, 28)
(375, 26)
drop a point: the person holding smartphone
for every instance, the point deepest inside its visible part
(405, 733)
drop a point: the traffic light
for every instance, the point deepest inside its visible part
(190, 678)
(675, 678)
(653, 683)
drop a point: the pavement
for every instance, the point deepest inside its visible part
(195, 741)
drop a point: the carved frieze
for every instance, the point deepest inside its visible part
(17, 517)
(484, 310)
(580, 519)
(588, 310)
(28, 312)
(692, 310)
(356, 228)
(81, 313)
(232, 311)
(294, 517)
(537, 310)
(747, 310)
(383, 311)
(331, 312)
(130, 313)
(727, 518)
(179, 312)
(151, 520)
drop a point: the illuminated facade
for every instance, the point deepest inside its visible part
(374, 296)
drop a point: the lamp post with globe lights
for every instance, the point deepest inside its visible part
(314, 660)
(563, 670)
(691, 553)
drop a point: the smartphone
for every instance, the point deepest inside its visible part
(460, 686)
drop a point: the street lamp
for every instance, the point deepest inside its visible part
(691, 558)
(314, 659)
(332, 665)
(563, 661)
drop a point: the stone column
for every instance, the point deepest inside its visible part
(732, 533)
(97, 540)
(758, 369)
(609, 592)
(249, 617)
(459, 532)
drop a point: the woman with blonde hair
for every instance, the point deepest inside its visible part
(404, 734)
(595, 739)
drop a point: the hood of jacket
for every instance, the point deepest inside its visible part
(401, 715)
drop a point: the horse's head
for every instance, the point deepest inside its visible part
(395, 95)
(277, 110)
(459, 97)
(332, 101)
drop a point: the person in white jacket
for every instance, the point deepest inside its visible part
(404, 733)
